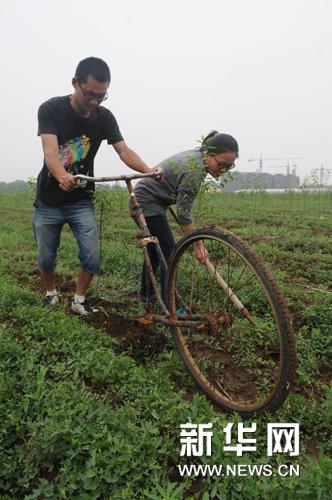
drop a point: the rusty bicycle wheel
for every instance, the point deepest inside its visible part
(241, 352)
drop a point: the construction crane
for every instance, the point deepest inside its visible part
(260, 162)
(287, 167)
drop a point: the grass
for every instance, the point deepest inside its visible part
(87, 411)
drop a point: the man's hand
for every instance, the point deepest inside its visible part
(67, 182)
(201, 252)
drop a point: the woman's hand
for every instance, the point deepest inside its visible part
(201, 252)
(160, 172)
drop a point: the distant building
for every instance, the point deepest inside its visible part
(256, 180)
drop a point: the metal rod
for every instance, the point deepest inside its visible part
(116, 178)
(154, 281)
(174, 214)
(231, 295)
(170, 321)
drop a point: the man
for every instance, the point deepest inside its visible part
(71, 129)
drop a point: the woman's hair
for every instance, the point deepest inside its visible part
(215, 143)
(95, 67)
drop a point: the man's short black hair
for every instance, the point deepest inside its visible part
(95, 67)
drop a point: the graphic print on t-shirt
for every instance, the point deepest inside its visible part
(73, 152)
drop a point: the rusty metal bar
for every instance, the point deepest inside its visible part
(116, 178)
(138, 215)
(154, 281)
(230, 294)
(171, 321)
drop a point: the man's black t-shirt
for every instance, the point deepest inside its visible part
(79, 140)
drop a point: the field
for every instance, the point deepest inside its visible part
(92, 408)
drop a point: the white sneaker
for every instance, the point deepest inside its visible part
(51, 300)
(81, 308)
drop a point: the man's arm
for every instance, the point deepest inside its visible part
(130, 158)
(53, 163)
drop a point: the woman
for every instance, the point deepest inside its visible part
(183, 174)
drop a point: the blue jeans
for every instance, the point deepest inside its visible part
(48, 221)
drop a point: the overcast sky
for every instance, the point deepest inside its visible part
(259, 70)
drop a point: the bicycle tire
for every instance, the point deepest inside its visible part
(212, 356)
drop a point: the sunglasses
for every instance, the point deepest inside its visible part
(224, 166)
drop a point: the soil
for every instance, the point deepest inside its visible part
(140, 342)
(143, 343)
